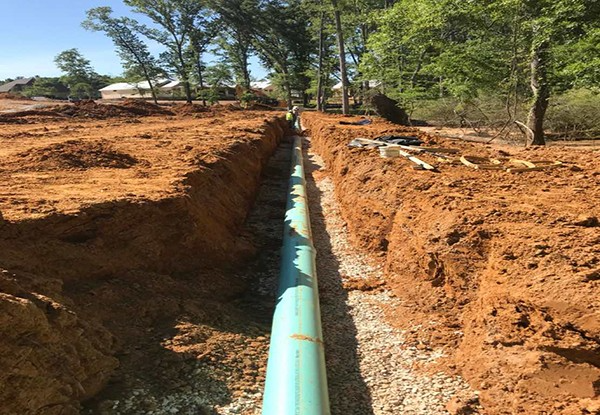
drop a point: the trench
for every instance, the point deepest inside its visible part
(183, 295)
(216, 365)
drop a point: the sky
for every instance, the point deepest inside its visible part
(33, 32)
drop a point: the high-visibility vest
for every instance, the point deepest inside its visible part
(289, 116)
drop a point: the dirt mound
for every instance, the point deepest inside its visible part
(190, 109)
(88, 109)
(142, 107)
(47, 352)
(8, 95)
(26, 117)
(257, 106)
(91, 109)
(500, 268)
(133, 251)
(74, 154)
(389, 109)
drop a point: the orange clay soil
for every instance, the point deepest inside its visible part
(112, 226)
(503, 269)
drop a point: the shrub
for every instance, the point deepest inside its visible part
(575, 114)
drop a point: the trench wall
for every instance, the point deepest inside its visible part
(485, 263)
(55, 350)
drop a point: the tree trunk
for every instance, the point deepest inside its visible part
(320, 68)
(183, 71)
(288, 88)
(413, 78)
(343, 72)
(245, 70)
(188, 91)
(152, 91)
(247, 83)
(541, 93)
(200, 81)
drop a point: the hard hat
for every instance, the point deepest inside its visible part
(295, 109)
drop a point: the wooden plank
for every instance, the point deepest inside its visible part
(536, 168)
(417, 160)
(431, 149)
(413, 148)
(412, 158)
(525, 163)
(478, 166)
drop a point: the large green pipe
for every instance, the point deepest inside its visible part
(296, 382)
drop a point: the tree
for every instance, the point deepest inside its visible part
(506, 48)
(235, 48)
(320, 94)
(74, 65)
(78, 70)
(176, 19)
(218, 76)
(124, 32)
(548, 25)
(278, 34)
(235, 42)
(82, 90)
(47, 87)
(342, 51)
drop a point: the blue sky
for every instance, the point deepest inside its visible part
(33, 32)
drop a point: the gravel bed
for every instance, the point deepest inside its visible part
(370, 367)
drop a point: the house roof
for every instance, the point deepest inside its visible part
(125, 86)
(260, 85)
(372, 84)
(119, 86)
(10, 85)
(171, 84)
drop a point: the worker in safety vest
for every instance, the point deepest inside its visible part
(290, 117)
(296, 112)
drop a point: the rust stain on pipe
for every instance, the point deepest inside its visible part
(307, 338)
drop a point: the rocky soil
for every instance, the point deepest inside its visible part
(373, 367)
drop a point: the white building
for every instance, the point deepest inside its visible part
(165, 88)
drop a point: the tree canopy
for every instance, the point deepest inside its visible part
(522, 51)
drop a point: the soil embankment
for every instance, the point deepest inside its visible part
(112, 227)
(500, 268)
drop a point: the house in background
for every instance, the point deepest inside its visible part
(165, 89)
(266, 87)
(17, 85)
(171, 89)
(353, 90)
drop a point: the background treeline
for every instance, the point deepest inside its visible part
(527, 64)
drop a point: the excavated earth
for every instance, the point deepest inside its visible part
(502, 270)
(120, 226)
(136, 278)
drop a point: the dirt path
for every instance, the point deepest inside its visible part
(371, 369)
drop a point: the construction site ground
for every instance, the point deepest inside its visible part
(139, 249)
